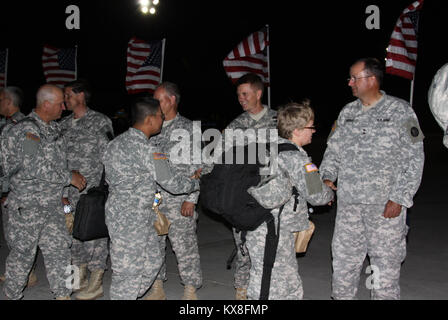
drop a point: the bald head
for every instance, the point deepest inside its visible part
(50, 102)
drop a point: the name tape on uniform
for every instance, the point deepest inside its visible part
(159, 156)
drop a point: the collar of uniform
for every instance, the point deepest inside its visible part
(166, 123)
(137, 133)
(260, 114)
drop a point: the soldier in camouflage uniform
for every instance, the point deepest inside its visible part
(87, 133)
(133, 166)
(256, 116)
(10, 102)
(375, 151)
(295, 126)
(179, 209)
(34, 157)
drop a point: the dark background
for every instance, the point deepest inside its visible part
(313, 44)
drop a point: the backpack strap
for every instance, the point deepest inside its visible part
(270, 252)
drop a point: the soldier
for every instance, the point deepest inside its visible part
(257, 116)
(295, 126)
(87, 133)
(34, 157)
(132, 168)
(375, 151)
(11, 99)
(179, 209)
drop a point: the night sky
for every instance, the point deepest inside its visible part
(313, 44)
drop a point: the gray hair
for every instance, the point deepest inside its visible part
(171, 89)
(46, 93)
(15, 94)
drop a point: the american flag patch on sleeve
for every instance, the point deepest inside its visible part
(311, 167)
(159, 156)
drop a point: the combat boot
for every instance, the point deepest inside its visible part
(32, 278)
(2, 278)
(83, 282)
(95, 288)
(156, 292)
(241, 294)
(189, 293)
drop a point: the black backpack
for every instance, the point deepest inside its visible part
(224, 192)
(224, 189)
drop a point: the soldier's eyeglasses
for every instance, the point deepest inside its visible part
(354, 79)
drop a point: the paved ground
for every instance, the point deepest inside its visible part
(423, 273)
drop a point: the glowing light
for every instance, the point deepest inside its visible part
(144, 3)
(155, 2)
(152, 10)
(144, 10)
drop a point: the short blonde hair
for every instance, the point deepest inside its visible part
(293, 116)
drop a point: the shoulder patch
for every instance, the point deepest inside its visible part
(311, 167)
(413, 130)
(159, 156)
(31, 136)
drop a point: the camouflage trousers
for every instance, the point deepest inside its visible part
(242, 263)
(184, 242)
(134, 254)
(5, 223)
(286, 283)
(93, 253)
(31, 228)
(362, 230)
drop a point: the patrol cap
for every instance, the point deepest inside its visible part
(273, 191)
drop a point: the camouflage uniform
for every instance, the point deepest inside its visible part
(376, 156)
(129, 161)
(286, 283)
(245, 121)
(4, 183)
(182, 232)
(36, 216)
(86, 139)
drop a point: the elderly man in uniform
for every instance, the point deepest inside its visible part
(255, 116)
(375, 152)
(179, 209)
(34, 157)
(11, 99)
(87, 133)
(133, 166)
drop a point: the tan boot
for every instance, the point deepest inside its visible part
(156, 292)
(241, 294)
(83, 282)
(2, 278)
(63, 298)
(189, 293)
(32, 278)
(94, 289)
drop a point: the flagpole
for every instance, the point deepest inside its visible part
(76, 63)
(6, 68)
(412, 91)
(269, 68)
(163, 58)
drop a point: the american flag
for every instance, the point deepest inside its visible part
(144, 64)
(3, 66)
(250, 55)
(401, 56)
(59, 65)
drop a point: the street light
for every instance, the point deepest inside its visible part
(148, 6)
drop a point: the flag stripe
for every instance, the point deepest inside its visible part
(59, 65)
(249, 56)
(401, 54)
(143, 66)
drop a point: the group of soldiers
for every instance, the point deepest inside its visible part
(374, 155)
